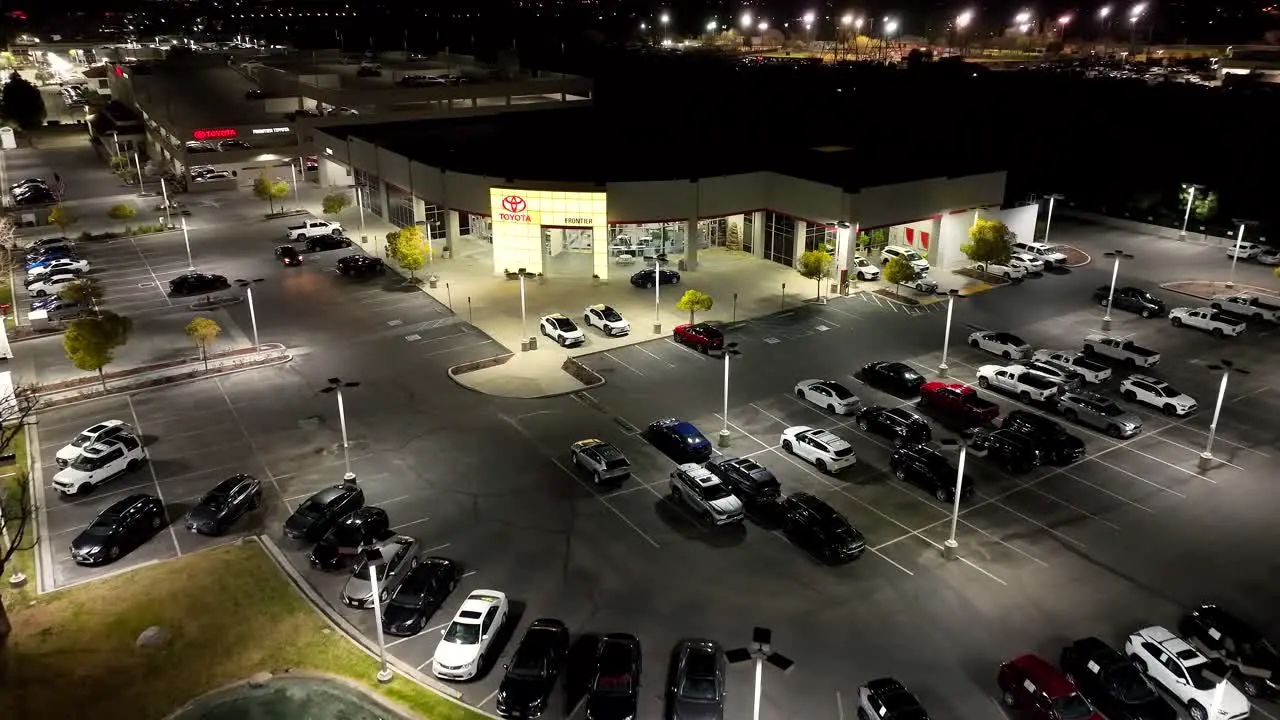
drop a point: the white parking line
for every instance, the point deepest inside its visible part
(436, 548)
(1117, 496)
(154, 479)
(1139, 477)
(159, 287)
(1218, 438)
(692, 352)
(640, 486)
(460, 347)
(402, 526)
(1197, 452)
(397, 641)
(642, 349)
(491, 696)
(623, 364)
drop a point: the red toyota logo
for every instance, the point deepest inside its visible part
(214, 134)
(514, 204)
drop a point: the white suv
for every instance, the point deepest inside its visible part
(1048, 253)
(104, 430)
(99, 463)
(917, 260)
(607, 319)
(1157, 393)
(1185, 674)
(828, 452)
(696, 487)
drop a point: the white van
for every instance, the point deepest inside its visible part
(1048, 253)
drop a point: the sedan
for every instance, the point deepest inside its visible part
(1028, 262)
(399, 557)
(829, 394)
(39, 196)
(680, 440)
(644, 278)
(419, 595)
(898, 424)
(47, 253)
(1007, 271)
(697, 681)
(358, 266)
(615, 691)
(1006, 345)
(224, 504)
(288, 256)
(468, 639)
(313, 518)
(60, 266)
(700, 336)
(197, 282)
(892, 376)
(534, 668)
(51, 284)
(1111, 682)
(123, 526)
(321, 243)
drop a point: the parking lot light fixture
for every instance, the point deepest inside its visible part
(745, 21)
(760, 652)
(164, 196)
(1235, 252)
(950, 547)
(730, 349)
(847, 20)
(1115, 273)
(297, 195)
(763, 26)
(1022, 18)
(373, 558)
(336, 386)
(951, 294)
(1103, 12)
(1137, 10)
(711, 26)
(186, 240)
(657, 295)
(1053, 198)
(1226, 367)
(253, 316)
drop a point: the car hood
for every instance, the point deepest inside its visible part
(68, 453)
(70, 475)
(691, 710)
(517, 692)
(730, 505)
(1233, 702)
(299, 524)
(393, 615)
(358, 589)
(611, 707)
(203, 513)
(88, 544)
(453, 654)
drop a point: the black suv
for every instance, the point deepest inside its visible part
(224, 504)
(1058, 446)
(615, 689)
(928, 468)
(644, 278)
(1112, 683)
(820, 529)
(1015, 453)
(1132, 299)
(314, 517)
(360, 266)
(344, 541)
(751, 482)
(123, 526)
(898, 424)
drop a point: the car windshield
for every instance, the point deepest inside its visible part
(861, 262)
(410, 597)
(1199, 678)
(1071, 707)
(89, 464)
(839, 391)
(1166, 391)
(610, 314)
(699, 688)
(911, 255)
(461, 633)
(564, 324)
(362, 571)
(102, 527)
(715, 491)
(1130, 686)
(346, 535)
(311, 509)
(1110, 409)
(615, 463)
(530, 664)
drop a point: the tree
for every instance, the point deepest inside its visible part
(8, 240)
(17, 508)
(694, 301)
(23, 103)
(897, 271)
(989, 242)
(82, 292)
(90, 343)
(122, 211)
(334, 203)
(264, 188)
(1203, 206)
(203, 330)
(409, 248)
(61, 217)
(815, 265)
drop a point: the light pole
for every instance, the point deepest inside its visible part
(1226, 367)
(1104, 18)
(297, 196)
(360, 206)
(253, 316)
(664, 20)
(373, 559)
(164, 194)
(1135, 13)
(711, 27)
(1111, 294)
(745, 21)
(186, 240)
(730, 349)
(524, 328)
(1053, 198)
(137, 163)
(890, 27)
(1062, 32)
(1235, 252)
(809, 18)
(115, 138)
(657, 295)
(760, 652)
(1186, 217)
(950, 547)
(335, 386)
(962, 23)
(951, 294)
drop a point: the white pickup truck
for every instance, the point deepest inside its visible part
(1207, 319)
(1016, 380)
(1126, 351)
(1250, 306)
(312, 228)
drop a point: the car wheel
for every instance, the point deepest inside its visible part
(1102, 302)
(1008, 276)
(1249, 686)
(1176, 322)
(1025, 396)
(1197, 711)
(901, 474)
(821, 465)
(83, 489)
(862, 714)
(1138, 663)
(1170, 410)
(1129, 395)
(942, 494)
(786, 445)
(1069, 414)
(1146, 313)
(385, 595)
(1216, 306)
(1113, 431)
(586, 320)
(862, 424)
(1008, 698)
(41, 293)
(648, 285)
(831, 408)
(1217, 332)
(983, 382)
(336, 233)
(256, 502)
(1257, 316)
(973, 343)
(1006, 355)
(1088, 350)
(155, 523)
(800, 393)
(114, 552)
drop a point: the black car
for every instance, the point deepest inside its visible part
(680, 440)
(368, 72)
(930, 469)
(820, 529)
(1014, 452)
(123, 526)
(1132, 299)
(898, 424)
(644, 278)
(254, 94)
(320, 243)
(1219, 633)
(615, 689)
(50, 252)
(420, 595)
(696, 681)
(197, 282)
(750, 481)
(288, 256)
(313, 518)
(534, 668)
(1058, 446)
(224, 504)
(889, 699)
(1112, 683)
(353, 533)
(360, 266)
(892, 376)
(28, 183)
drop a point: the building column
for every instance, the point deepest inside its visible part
(419, 210)
(801, 227)
(382, 202)
(691, 241)
(757, 234)
(451, 225)
(846, 248)
(935, 234)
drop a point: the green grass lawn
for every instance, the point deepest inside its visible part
(6, 298)
(230, 612)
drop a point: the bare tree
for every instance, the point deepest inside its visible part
(17, 508)
(9, 242)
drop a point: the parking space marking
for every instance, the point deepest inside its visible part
(1218, 438)
(623, 364)
(337, 461)
(1117, 496)
(1139, 477)
(642, 349)
(692, 352)
(397, 641)
(491, 696)
(1192, 473)
(95, 496)
(402, 526)
(154, 478)
(437, 548)
(460, 347)
(1193, 450)
(167, 299)
(604, 502)
(641, 486)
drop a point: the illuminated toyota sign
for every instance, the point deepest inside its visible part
(215, 134)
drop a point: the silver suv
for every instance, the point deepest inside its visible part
(1100, 413)
(703, 492)
(603, 460)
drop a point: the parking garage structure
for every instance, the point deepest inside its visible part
(579, 192)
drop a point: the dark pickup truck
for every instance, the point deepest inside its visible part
(957, 405)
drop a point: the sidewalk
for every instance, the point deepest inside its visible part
(1206, 289)
(526, 375)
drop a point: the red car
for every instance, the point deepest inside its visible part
(959, 404)
(700, 336)
(1039, 690)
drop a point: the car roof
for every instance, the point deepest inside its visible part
(555, 316)
(698, 474)
(101, 447)
(481, 600)
(684, 427)
(118, 507)
(1091, 649)
(230, 482)
(1046, 677)
(331, 493)
(826, 437)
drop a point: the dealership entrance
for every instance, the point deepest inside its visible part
(552, 233)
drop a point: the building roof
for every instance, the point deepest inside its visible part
(198, 96)
(588, 144)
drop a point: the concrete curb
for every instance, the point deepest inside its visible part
(286, 358)
(454, 373)
(1239, 288)
(1088, 257)
(383, 703)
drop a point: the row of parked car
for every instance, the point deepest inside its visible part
(33, 191)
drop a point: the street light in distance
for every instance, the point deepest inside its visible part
(1111, 294)
(253, 316)
(336, 385)
(1226, 367)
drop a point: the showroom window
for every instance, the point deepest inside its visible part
(819, 237)
(715, 233)
(435, 222)
(748, 235)
(371, 191)
(780, 238)
(646, 240)
(399, 206)
(464, 224)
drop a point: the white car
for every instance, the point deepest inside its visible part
(1026, 261)
(99, 463)
(215, 175)
(922, 283)
(1157, 393)
(610, 321)
(1018, 381)
(828, 394)
(344, 111)
(469, 636)
(1047, 253)
(1007, 271)
(1186, 674)
(917, 260)
(862, 269)
(1093, 372)
(703, 492)
(1244, 250)
(560, 328)
(97, 432)
(1006, 345)
(1211, 321)
(1250, 306)
(51, 284)
(66, 266)
(828, 452)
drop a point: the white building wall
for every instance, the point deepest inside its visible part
(393, 168)
(804, 199)
(1021, 220)
(953, 232)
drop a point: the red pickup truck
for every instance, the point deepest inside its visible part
(957, 404)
